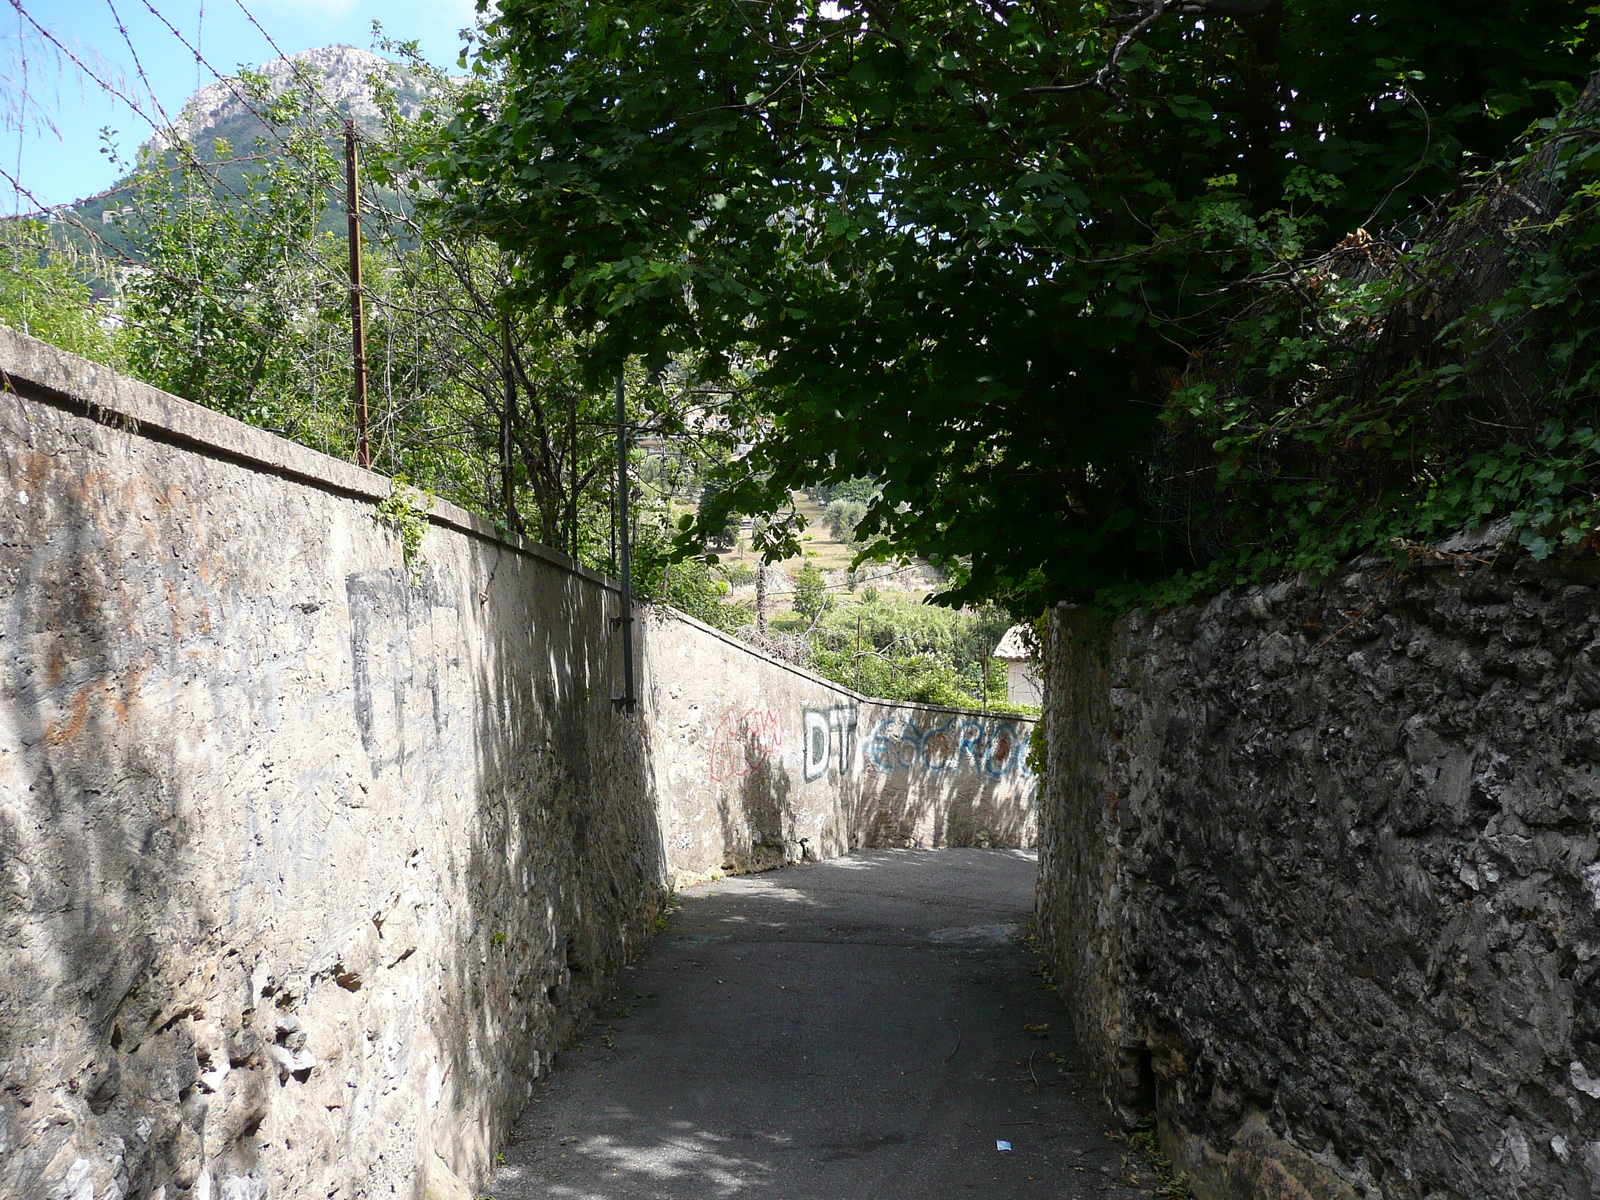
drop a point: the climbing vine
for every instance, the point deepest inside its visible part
(405, 510)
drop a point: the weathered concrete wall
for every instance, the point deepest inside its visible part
(1318, 873)
(726, 731)
(762, 763)
(933, 777)
(307, 867)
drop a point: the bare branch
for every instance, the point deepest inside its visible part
(1105, 79)
(1146, 14)
(1229, 8)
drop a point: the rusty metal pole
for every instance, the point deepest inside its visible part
(358, 322)
(508, 415)
(858, 652)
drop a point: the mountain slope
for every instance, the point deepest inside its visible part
(338, 77)
(329, 82)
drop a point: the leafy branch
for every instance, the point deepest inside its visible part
(405, 510)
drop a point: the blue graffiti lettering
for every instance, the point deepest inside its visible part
(936, 751)
(1001, 756)
(997, 750)
(972, 742)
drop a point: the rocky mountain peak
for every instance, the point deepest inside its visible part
(341, 75)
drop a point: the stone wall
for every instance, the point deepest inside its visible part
(306, 867)
(311, 858)
(1319, 880)
(764, 763)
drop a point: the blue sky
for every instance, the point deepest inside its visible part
(40, 87)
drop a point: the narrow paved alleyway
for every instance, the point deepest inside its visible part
(851, 1030)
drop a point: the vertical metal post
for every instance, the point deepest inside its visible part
(358, 323)
(508, 413)
(858, 652)
(626, 701)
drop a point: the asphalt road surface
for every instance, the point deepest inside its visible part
(851, 1030)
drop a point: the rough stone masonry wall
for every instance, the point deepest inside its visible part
(305, 868)
(765, 763)
(1318, 874)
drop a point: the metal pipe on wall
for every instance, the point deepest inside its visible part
(625, 701)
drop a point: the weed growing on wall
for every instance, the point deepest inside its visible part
(406, 512)
(1145, 1166)
(659, 924)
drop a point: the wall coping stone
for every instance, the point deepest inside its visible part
(49, 374)
(55, 376)
(757, 652)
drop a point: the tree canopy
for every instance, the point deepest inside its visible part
(969, 248)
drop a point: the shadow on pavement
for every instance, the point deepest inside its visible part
(869, 1027)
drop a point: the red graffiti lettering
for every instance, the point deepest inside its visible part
(743, 741)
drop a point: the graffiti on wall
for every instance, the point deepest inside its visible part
(829, 736)
(996, 748)
(743, 740)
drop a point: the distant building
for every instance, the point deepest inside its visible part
(1023, 685)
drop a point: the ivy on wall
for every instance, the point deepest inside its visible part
(1398, 387)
